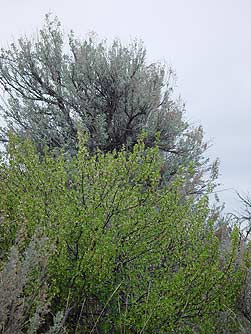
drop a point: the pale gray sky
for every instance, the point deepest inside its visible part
(207, 42)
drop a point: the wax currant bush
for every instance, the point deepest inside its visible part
(126, 255)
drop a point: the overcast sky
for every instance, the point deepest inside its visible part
(208, 44)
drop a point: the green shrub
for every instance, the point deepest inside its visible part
(128, 256)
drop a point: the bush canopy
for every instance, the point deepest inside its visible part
(122, 255)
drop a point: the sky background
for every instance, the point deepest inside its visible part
(206, 42)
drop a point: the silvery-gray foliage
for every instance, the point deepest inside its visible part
(23, 288)
(52, 88)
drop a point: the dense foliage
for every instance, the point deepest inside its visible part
(109, 231)
(97, 243)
